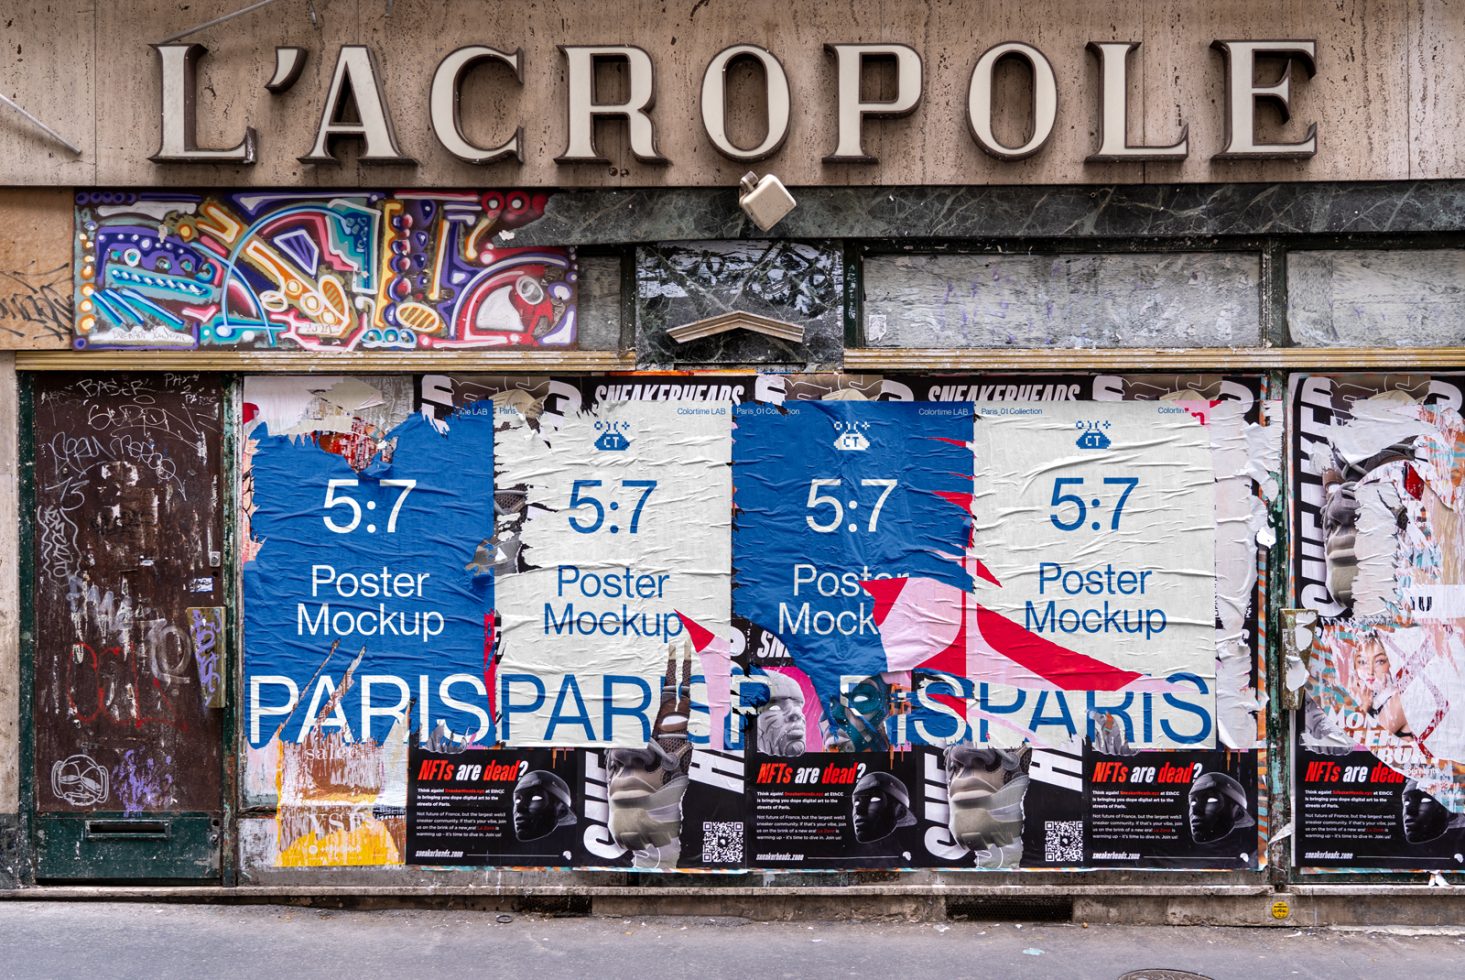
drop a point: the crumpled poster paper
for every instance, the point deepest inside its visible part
(626, 525)
(1096, 526)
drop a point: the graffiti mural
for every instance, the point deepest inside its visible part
(355, 271)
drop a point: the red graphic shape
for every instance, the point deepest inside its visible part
(700, 637)
(1413, 482)
(1068, 669)
(885, 591)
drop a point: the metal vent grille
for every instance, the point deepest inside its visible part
(1016, 908)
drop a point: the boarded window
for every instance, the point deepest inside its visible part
(600, 302)
(1182, 299)
(792, 282)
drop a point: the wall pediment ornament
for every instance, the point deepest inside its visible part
(737, 320)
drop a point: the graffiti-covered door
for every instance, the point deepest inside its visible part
(129, 626)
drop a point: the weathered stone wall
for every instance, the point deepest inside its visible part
(1375, 298)
(1386, 99)
(1150, 299)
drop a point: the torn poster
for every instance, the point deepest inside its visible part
(365, 616)
(625, 530)
(1379, 462)
(1246, 445)
(834, 499)
(364, 532)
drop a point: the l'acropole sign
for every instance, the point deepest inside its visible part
(355, 104)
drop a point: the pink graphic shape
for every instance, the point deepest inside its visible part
(920, 619)
(813, 737)
(716, 657)
(1200, 409)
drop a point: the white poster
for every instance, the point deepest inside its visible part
(621, 526)
(1094, 562)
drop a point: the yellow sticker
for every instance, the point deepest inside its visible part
(1280, 910)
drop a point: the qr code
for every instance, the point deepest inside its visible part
(1063, 841)
(722, 841)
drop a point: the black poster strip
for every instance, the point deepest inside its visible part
(491, 807)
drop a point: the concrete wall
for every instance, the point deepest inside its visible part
(1180, 299)
(1375, 298)
(35, 269)
(1386, 99)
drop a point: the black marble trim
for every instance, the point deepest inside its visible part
(1079, 212)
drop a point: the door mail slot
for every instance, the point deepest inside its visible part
(127, 829)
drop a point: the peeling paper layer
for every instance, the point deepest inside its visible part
(1246, 458)
(1381, 467)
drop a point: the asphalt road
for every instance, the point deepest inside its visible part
(112, 941)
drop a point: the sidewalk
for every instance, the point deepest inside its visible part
(115, 941)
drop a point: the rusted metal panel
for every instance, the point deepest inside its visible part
(128, 548)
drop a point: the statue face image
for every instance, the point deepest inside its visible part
(880, 804)
(1423, 817)
(781, 729)
(541, 805)
(1217, 808)
(985, 789)
(645, 788)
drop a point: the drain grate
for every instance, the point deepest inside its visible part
(553, 905)
(1013, 909)
(1163, 974)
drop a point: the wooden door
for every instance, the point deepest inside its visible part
(129, 626)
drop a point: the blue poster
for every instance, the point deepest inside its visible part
(829, 496)
(371, 572)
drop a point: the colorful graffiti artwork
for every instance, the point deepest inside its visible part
(354, 271)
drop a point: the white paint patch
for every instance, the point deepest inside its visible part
(155, 209)
(261, 774)
(293, 405)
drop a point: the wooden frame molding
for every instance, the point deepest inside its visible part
(737, 320)
(1151, 359)
(494, 361)
(855, 359)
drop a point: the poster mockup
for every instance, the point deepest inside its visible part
(1094, 549)
(362, 596)
(833, 499)
(623, 531)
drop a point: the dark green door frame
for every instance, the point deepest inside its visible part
(188, 846)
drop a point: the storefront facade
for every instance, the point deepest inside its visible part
(427, 476)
